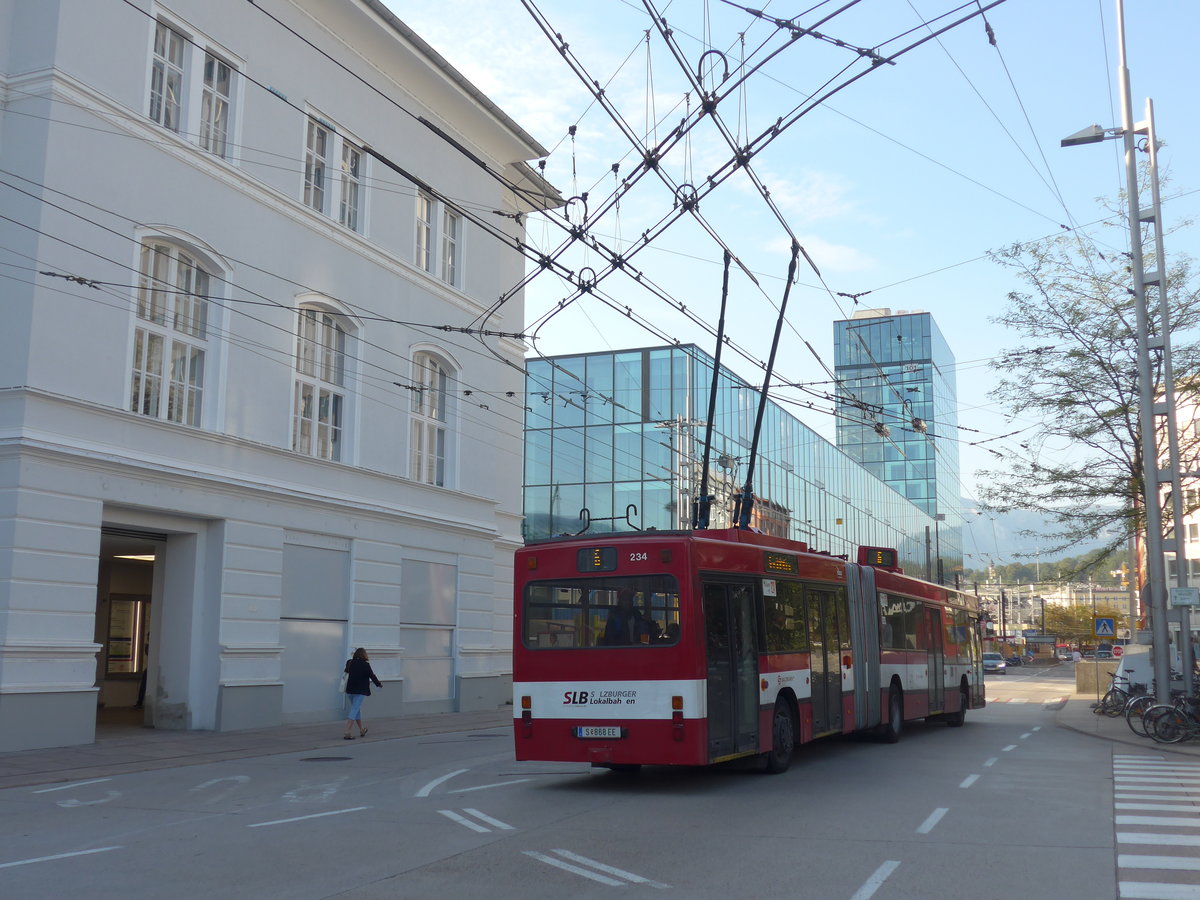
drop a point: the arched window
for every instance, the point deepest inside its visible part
(320, 397)
(428, 435)
(170, 338)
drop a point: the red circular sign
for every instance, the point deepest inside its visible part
(1117, 651)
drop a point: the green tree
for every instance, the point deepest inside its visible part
(1074, 625)
(1075, 378)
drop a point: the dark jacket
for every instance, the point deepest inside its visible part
(360, 677)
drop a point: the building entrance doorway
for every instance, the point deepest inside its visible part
(125, 595)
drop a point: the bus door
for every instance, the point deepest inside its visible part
(937, 677)
(729, 624)
(825, 639)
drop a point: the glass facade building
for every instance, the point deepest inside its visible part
(614, 441)
(897, 414)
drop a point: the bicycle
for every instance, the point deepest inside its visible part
(1174, 723)
(1113, 702)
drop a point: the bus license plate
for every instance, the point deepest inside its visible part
(598, 731)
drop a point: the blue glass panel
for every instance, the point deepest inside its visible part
(537, 457)
(627, 453)
(598, 454)
(567, 460)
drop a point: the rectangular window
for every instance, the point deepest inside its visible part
(451, 223)
(214, 105)
(169, 350)
(187, 381)
(147, 372)
(166, 77)
(192, 89)
(319, 401)
(787, 631)
(315, 154)
(334, 176)
(329, 425)
(425, 232)
(429, 452)
(619, 611)
(351, 163)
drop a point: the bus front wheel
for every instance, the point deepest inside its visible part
(956, 719)
(783, 739)
(895, 724)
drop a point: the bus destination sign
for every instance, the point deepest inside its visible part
(883, 557)
(781, 562)
(596, 559)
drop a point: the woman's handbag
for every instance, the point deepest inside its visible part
(342, 684)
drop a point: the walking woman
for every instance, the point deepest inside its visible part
(358, 686)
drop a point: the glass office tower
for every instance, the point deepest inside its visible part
(614, 441)
(897, 414)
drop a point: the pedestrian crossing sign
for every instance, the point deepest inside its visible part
(1105, 626)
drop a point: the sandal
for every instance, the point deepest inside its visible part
(363, 733)
(347, 737)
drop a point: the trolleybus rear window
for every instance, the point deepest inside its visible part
(602, 612)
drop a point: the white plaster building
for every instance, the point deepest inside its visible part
(229, 234)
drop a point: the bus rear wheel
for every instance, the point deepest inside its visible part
(895, 723)
(783, 739)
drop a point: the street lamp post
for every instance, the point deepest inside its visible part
(1152, 476)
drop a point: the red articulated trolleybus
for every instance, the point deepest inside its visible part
(696, 647)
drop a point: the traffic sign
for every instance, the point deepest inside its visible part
(1185, 596)
(1117, 650)
(1104, 626)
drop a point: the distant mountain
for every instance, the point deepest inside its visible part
(996, 538)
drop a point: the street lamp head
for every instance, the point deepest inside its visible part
(1093, 134)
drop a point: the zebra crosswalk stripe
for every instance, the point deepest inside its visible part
(1168, 822)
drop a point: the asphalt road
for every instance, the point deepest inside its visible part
(1009, 805)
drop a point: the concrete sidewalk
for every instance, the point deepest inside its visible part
(1076, 714)
(123, 746)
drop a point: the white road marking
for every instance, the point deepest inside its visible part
(495, 823)
(611, 870)
(1132, 861)
(1009, 747)
(1160, 807)
(1150, 890)
(1169, 821)
(72, 802)
(428, 789)
(74, 784)
(464, 821)
(934, 817)
(38, 859)
(992, 760)
(1157, 779)
(1158, 789)
(336, 812)
(1174, 840)
(968, 781)
(481, 787)
(319, 792)
(567, 867)
(1027, 734)
(872, 884)
(1037, 727)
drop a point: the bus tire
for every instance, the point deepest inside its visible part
(783, 739)
(628, 768)
(895, 723)
(956, 719)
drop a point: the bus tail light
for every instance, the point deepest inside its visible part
(677, 718)
(527, 717)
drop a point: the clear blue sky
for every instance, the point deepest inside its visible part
(897, 185)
